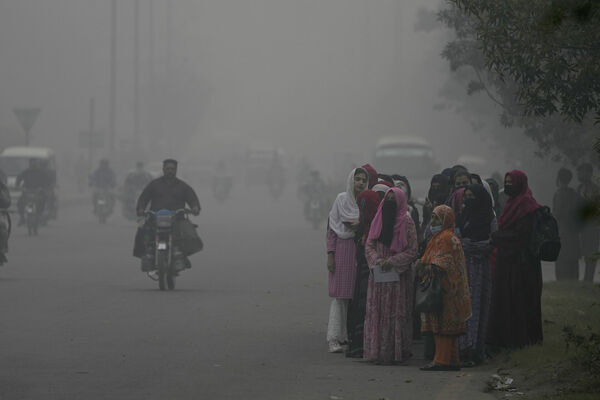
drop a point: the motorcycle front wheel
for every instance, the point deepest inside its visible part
(170, 281)
(161, 263)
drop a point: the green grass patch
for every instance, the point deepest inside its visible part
(561, 369)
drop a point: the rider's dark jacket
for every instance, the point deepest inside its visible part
(167, 193)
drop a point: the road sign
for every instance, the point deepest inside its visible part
(95, 140)
(27, 117)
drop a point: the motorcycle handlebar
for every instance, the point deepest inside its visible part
(176, 212)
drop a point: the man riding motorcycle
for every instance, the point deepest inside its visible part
(103, 179)
(134, 183)
(164, 193)
(33, 180)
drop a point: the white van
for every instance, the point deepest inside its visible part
(409, 156)
(14, 160)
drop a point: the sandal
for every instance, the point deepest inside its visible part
(437, 367)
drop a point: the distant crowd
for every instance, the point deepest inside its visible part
(465, 275)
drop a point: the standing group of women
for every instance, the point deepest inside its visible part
(377, 243)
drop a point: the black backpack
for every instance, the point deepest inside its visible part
(545, 241)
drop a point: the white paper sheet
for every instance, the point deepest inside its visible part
(385, 276)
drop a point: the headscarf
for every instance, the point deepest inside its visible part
(449, 172)
(386, 178)
(477, 178)
(345, 208)
(404, 179)
(488, 189)
(440, 194)
(521, 204)
(445, 251)
(495, 188)
(381, 188)
(475, 219)
(456, 200)
(400, 236)
(368, 203)
(372, 174)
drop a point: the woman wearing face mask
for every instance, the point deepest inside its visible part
(368, 203)
(475, 225)
(341, 256)
(391, 246)
(515, 312)
(402, 182)
(444, 252)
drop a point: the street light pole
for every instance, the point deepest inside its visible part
(113, 76)
(136, 77)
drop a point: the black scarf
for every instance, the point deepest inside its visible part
(388, 220)
(439, 195)
(475, 219)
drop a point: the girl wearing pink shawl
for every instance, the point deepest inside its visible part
(391, 245)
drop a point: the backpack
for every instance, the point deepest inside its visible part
(545, 241)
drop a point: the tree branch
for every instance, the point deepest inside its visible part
(489, 93)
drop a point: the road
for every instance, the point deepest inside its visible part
(80, 321)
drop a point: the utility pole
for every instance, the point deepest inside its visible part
(150, 117)
(136, 77)
(91, 133)
(113, 77)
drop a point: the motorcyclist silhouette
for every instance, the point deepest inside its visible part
(164, 193)
(103, 179)
(137, 179)
(134, 183)
(33, 179)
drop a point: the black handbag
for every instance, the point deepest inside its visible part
(429, 295)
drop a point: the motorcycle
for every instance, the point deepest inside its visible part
(103, 205)
(168, 258)
(33, 218)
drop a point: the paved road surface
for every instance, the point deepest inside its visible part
(79, 321)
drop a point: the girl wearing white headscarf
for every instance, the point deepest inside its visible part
(341, 256)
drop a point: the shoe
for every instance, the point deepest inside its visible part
(152, 275)
(437, 367)
(335, 347)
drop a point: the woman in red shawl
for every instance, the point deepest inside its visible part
(391, 247)
(445, 252)
(515, 312)
(368, 203)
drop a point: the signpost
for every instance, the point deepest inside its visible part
(27, 117)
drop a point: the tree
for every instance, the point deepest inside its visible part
(538, 60)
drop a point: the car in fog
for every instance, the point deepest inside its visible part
(410, 156)
(14, 160)
(475, 164)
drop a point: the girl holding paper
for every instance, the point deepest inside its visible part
(391, 248)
